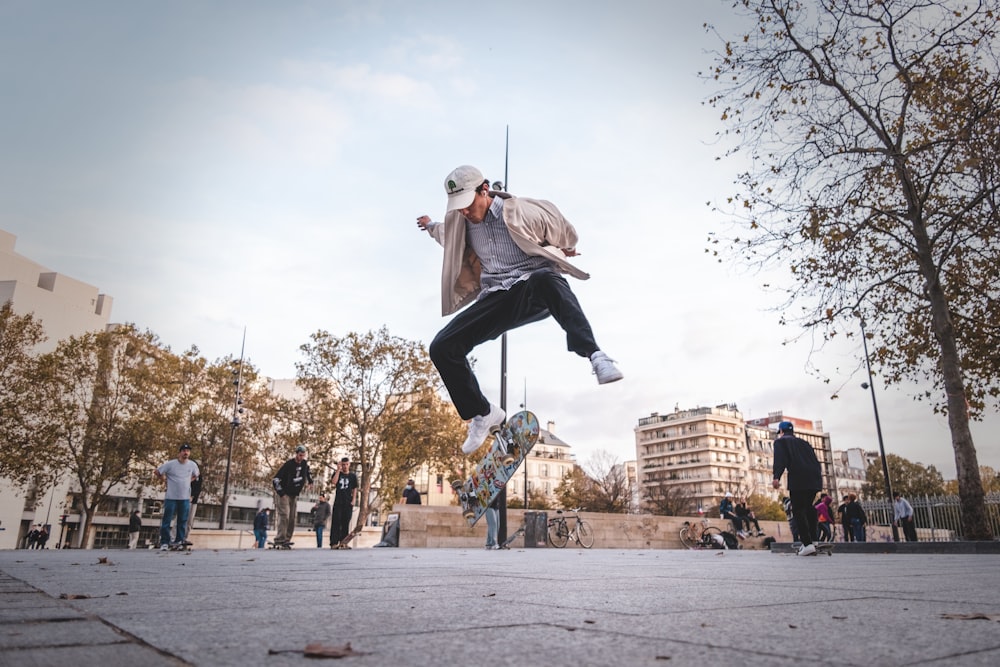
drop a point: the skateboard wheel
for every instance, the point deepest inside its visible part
(456, 484)
(468, 514)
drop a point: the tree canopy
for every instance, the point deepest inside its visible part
(908, 478)
(872, 138)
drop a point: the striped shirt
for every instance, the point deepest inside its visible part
(503, 262)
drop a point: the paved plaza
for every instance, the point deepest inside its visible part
(519, 607)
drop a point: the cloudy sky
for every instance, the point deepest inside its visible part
(220, 165)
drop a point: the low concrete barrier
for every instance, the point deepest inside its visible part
(435, 527)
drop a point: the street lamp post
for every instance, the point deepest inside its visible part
(234, 424)
(878, 428)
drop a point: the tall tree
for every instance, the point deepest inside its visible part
(603, 486)
(90, 416)
(19, 336)
(908, 478)
(873, 133)
(363, 395)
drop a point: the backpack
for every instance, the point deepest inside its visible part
(730, 540)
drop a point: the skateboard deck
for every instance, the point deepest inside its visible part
(511, 443)
(280, 545)
(824, 548)
(346, 542)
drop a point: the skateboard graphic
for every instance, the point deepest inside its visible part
(511, 443)
(280, 545)
(179, 546)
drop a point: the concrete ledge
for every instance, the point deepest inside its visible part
(902, 547)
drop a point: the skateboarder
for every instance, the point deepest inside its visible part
(288, 483)
(805, 479)
(505, 256)
(345, 484)
(179, 473)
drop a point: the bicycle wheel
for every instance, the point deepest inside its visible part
(686, 538)
(584, 535)
(558, 534)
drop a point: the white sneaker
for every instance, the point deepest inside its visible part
(164, 547)
(604, 368)
(807, 550)
(480, 427)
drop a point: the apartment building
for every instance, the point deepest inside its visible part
(702, 453)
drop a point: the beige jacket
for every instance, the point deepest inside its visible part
(537, 227)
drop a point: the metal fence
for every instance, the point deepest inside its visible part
(938, 518)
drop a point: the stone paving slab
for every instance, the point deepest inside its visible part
(529, 606)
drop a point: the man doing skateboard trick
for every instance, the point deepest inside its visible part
(505, 256)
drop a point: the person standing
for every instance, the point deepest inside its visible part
(824, 519)
(504, 255)
(178, 474)
(410, 494)
(292, 477)
(345, 484)
(260, 527)
(134, 527)
(857, 518)
(845, 523)
(805, 479)
(492, 524)
(321, 514)
(902, 514)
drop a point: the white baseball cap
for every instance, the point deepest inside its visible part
(461, 186)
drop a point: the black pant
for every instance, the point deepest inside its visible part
(340, 526)
(805, 513)
(909, 529)
(542, 294)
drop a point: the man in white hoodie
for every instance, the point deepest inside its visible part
(504, 255)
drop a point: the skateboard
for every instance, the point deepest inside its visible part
(346, 542)
(824, 548)
(280, 545)
(511, 443)
(179, 546)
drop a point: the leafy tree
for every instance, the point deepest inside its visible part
(670, 500)
(908, 478)
(537, 500)
(197, 404)
(90, 417)
(990, 477)
(19, 336)
(874, 165)
(602, 487)
(370, 395)
(766, 509)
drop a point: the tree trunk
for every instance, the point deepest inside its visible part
(975, 525)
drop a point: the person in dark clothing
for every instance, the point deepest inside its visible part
(856, 518)
(134, 527)
(805, 479)
(291, 478)
(346, 484)
(845, 523)
(748, 518)
(410, 494)
(260, 528)
(728, 511)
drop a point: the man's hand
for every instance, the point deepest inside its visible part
(776, 483)
(423, 221)
(570, 252)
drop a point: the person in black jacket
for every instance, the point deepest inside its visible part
(805, 479)
(289, 481)
(134, 527)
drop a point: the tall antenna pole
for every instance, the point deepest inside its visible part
(235, 424)
(502, 497)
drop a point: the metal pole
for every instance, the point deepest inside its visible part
(502, 497)
(878, 430)
(234, 424)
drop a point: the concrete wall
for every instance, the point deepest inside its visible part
(435, 527)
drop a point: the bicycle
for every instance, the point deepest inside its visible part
(705, 537)
(560, 532)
